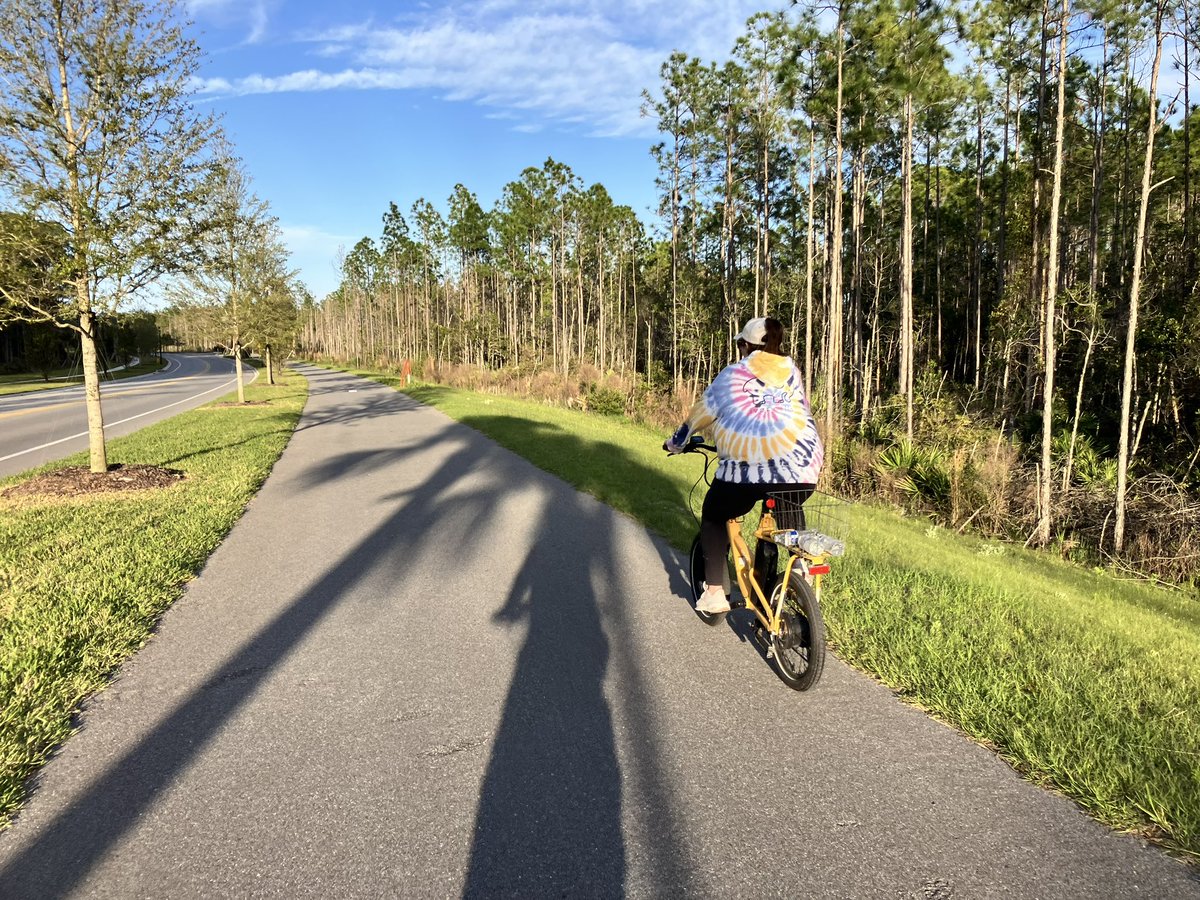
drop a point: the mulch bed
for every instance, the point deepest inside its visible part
(76, 481)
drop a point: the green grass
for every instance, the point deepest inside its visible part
(19, 384)
(1084, 683)
(82, 582)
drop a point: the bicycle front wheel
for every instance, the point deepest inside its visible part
(798, 648)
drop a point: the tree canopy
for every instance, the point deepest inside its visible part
(896, 211)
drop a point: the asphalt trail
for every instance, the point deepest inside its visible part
(420, 667)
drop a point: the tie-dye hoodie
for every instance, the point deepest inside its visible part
(756, 414)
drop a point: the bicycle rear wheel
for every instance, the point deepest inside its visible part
(798, 650)
(696, 575)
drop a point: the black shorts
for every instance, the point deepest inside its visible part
(726, 500)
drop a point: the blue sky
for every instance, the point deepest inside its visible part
(339, 108)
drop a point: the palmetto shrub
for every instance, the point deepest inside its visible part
(1088, 466)
(921, 474)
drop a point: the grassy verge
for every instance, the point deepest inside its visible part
(1083, 683)
(82, 582)
(18, 384)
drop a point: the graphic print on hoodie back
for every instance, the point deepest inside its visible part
(757, 415)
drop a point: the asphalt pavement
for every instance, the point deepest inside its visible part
(41, 426)
(421, 667)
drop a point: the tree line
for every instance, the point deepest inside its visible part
(989, 206)
(993, 202)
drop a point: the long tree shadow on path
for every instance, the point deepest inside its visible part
(59, 858)
(549, 819)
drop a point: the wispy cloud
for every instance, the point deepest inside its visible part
(309, 240)
(571, 61)
(317, 253)
(313, 80)
(254, 14)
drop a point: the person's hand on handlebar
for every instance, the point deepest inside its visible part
(694, 442)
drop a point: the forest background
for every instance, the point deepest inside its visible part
(977, 221)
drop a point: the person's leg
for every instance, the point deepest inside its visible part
(715, 541)
(724, 501)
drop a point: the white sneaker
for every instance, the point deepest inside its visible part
(713, 600)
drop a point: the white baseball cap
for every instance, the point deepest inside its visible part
(755, 332)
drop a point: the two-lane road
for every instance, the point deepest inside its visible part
(41, 426)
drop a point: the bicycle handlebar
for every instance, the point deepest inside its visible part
(693, 446)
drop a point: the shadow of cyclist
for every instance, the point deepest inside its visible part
(550, 819)
(549, 816)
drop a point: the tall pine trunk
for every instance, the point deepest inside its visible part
(810, 240)
(906, 269)
(833, 367)
(977, 247)
(1044, 500)
(1135, 285)
(1189, 250)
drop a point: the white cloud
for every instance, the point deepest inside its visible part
(311, 80)
(253, 14)
(306, 237)
(571, 61)
(316, 253)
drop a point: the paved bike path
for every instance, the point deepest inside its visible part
(420, 667)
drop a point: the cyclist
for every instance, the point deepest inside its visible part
(758, 417)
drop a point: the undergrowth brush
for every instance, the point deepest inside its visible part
(958, 468)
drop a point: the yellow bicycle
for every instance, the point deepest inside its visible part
(786, 604)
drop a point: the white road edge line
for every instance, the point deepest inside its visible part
(123, 421)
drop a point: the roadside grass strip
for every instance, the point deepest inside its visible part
(19, 384)
(1084, 683)
(83, 581)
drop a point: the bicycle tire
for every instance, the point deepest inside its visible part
(798, 650)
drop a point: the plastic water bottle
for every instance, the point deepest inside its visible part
(787, 538)
(811, 542)
(816, 544)
(834, 547)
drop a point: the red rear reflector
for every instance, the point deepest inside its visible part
(770, 503)
(822, 569)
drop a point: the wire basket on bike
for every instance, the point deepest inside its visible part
(814, 521)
